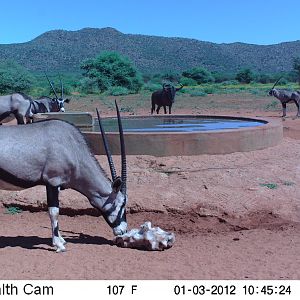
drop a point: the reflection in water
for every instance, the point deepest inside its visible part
(176, 124)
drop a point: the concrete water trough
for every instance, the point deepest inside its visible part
(179, 134)
(81, 119)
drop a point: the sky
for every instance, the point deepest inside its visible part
(260, 22)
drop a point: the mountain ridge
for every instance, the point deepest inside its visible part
(63, 50)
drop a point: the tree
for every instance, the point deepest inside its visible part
(199, 74)
(110, 69)
(296, 66)
(14, 77)
(245, 76)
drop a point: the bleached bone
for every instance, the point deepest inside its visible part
(146, 238)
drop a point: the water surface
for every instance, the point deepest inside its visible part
(176, 124)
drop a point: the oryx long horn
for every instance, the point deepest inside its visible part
(51, 86)
(61, 88)
(106, 147)
(123, 153)
(276, 82)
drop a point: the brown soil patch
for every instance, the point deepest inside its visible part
(235, 216)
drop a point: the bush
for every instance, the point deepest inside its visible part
(110, 69)
(159, 78)
(221, 77)
(200, 75)
(188, 81)
(88, 86)
(209, 90)
(296, 66)
(152, 86)
(14, 77)
(229, 82)
(117, 91)
(245, 76)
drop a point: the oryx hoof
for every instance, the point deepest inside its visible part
(58, 250)
(59, 244)
(62, 240)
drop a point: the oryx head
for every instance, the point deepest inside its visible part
(114, 210)
(58, 101)
(272, 90)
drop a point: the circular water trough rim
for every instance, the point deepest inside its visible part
(265, 122)
(192, 143)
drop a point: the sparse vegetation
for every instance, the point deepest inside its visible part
(296, 66)
(271, 186)
(198, 74)
(245, 76)
(14, 77)
(13, 210)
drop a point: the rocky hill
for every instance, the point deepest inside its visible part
(61, 50)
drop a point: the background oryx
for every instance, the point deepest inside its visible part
(286, 96)
(164, 97)
(36, 154)
(22, 106)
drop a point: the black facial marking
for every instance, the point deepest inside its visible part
(119, 217)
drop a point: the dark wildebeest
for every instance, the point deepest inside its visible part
(21, 106)
(164, 97)
(286, 96)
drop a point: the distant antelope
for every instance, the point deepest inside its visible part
(55, 154)
(286, 96)
(164, 97)
(22, 106)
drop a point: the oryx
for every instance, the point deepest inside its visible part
(286, 96)
(164, 97)
(21, 106)
(36, 154)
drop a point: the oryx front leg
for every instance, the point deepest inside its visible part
(57, 241)
(53, 208)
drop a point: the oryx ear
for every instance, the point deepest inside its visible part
(67, 100)
(116, 185)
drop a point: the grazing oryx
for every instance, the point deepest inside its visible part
(164, 97)
(36, 154)
(286, 96)
(22, 106)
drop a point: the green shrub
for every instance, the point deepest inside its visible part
(230, 82)
(152, 86)
(245, 76)
(117, 91)
(110, 69)
(209, 90)
(14, 77)
(199, 74)
(88, 86)
(188, 81)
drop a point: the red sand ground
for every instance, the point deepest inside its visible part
(228, 224)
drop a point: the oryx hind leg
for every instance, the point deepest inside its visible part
(19, 117)
(53, 208)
